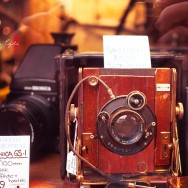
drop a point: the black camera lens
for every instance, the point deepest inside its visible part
(14, 122)
(30, 115)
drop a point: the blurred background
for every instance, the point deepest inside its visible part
(27, 22)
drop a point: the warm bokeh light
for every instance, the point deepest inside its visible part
(6, 1)
(6, 31)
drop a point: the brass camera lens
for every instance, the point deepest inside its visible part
(125, 131)
(127, 127)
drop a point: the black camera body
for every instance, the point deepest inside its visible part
(98, 141)
(32, 106)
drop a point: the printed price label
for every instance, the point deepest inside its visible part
(14, 161)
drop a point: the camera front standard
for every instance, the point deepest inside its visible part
(125, 126)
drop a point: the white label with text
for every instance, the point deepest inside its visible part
(14, 161)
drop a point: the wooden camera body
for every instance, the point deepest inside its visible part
(127, 119)
(127, 129)
(121, 157)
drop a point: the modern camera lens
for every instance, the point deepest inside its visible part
(30, 115)
(14, 122)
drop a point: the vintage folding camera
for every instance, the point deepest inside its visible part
(126, 123)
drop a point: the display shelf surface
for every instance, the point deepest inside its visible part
(45, 172)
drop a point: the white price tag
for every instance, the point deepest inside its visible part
(71, 163)
(126, 51)
(14, 161)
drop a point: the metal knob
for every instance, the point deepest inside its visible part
(179, 110)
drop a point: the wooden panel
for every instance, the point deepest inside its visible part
(123, 85)
(122, 82)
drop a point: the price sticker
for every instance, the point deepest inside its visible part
(71, 163)
(14, 161)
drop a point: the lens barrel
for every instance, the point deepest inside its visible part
(30, 115)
